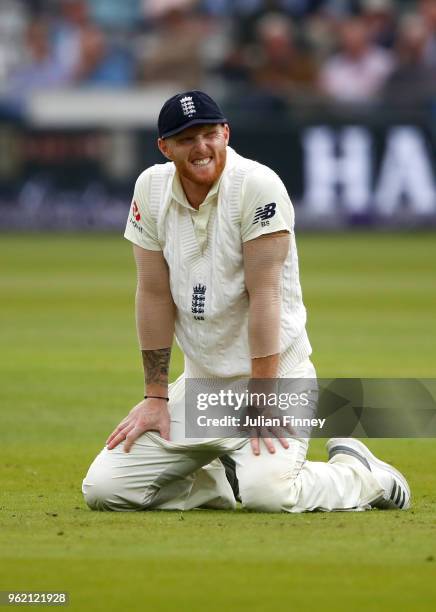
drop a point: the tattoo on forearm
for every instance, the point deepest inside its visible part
(156, 364)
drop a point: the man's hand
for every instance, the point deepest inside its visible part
(263, 384)
(148, 415)
(267, 434)
(269, 443)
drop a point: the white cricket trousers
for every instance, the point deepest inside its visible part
(181, 475)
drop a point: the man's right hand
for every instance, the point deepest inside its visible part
(149, 415)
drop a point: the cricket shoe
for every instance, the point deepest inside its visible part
(396, 494)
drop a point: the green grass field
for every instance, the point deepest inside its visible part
(70, 369)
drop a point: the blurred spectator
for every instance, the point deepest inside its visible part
(359, 70)
(428, 12)
(104, 61)
(87, 52)
(264, 49)
(278, 66)
(173, 50)
(320, 33)
(13, 23)
(40, 69)
(69, 25)
(246, 14)
(379, 16)
(413, 82)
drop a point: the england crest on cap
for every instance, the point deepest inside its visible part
(188, 106)
(186, 109)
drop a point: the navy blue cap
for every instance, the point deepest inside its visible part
(186, 109)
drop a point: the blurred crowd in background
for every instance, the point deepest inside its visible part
(269, 52)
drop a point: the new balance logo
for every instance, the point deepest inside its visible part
(264, 213)
(188, 106)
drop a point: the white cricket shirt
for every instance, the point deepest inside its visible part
(203, 249)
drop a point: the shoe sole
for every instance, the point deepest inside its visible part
(360, 448)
